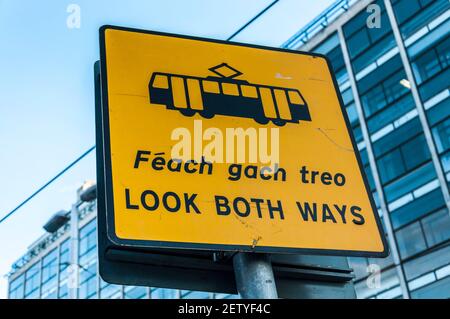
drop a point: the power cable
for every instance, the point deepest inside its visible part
(48, 183)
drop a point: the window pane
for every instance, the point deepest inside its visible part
(404, 9)
(435, 85)
(337, 59)
(391, 166)
(49, 272)
(109, 291)
(426, 66)
(391, 113)
(16, 288)
(443, 51)
(388, 278)
(410, 240)
(415, 152)
(88, 281)
(374, 52)
(64, 261)
(162, 293)
(445, 160)
(187, 294)
(352, 114)
(437, 227)
(425, 15)
(32, 282)
(135, 292)
(417, 208)
(397, 137)
(358, 42)
(426, 263)
(410, 182)
(358, 133)
(347, 96)
(373, 101)
(393, 88)
(437, 290)
(441, 134)
(88, 242)
(370, 179)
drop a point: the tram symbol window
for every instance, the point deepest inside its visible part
(223, 94)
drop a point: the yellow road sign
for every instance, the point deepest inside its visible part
(225, 146)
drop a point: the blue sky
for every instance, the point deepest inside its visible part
(47, 93)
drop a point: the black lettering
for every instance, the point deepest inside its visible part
(172, 168)
(139, 157)
(251, 171)
(158, 163)
(189, 202)
(258, 202)
(165, 201)
(222, 201)
(127, 200)
(304, 172)
(234, 170)
(308, 211)
(144, 200)
(272, 209)
(340, 177)
(281, 171)
(190, 170)
(327, 214)
(263, 175)
(313, 176)
(236, 206)
(341, 212)
(326, 178)
(360, 218)
(205, 163)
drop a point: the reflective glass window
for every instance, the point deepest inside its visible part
(441, 134)
(16, 288)
(32, 281)
(410, 240)
(49, 275)
(437, 227)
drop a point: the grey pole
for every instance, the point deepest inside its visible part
(254, 276)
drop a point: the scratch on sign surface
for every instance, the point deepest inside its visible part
(331, 140)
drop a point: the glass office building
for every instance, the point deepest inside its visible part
(391, 59)
(45, 271)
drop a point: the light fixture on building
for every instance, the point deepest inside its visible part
(405, 83)
(89, 194)
(56, 221)
(88, 191)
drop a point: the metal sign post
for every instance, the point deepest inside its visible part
(254, 276)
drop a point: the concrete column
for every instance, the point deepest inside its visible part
(74, 273)
(373, 167)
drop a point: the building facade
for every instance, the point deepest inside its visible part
(47, 271)
(391, 59)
